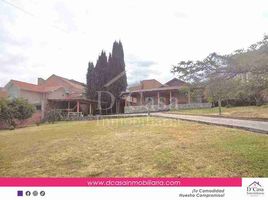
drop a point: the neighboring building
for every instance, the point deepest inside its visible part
(54, 93)
(146, 84)
(173, 94)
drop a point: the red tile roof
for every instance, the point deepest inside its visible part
(55, 80)
(150, 84)
(175, 82)
(154, 84)
(154, 89)
(53, 83)
(146, 84)
(27, 86)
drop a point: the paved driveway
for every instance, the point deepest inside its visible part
(256, 126)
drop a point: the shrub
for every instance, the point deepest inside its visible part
(54, 115)
(228, 106)
(16, 109)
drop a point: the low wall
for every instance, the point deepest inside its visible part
(36, 118)
(157, 108)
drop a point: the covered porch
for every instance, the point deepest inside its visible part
(161, 99)
(73, 107)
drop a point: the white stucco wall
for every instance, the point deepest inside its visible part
(57, 94)
(12, 91)
(32, 97)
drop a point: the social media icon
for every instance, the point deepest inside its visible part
(35, 193)
(28, 193)
(19, 193)
(42, 193)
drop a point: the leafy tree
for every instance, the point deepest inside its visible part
(240, 75)
(218, 90)
(15, 110)
(209, 73)
(251, 68)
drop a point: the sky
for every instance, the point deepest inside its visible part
(41, 38)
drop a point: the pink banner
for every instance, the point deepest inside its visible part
(121, 182)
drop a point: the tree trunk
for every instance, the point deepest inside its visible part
(219, 105)
(258, 101)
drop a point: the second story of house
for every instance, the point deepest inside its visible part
(155, 84)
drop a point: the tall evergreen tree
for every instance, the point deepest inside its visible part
(100, 70)
(91, 81)
(102, 75)
(117, 64)
(105, 71)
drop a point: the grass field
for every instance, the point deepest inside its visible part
(133, 147)
(252, 112)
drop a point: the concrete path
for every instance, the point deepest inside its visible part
(121, 115)
(256, 126)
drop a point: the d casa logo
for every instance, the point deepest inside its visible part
(255, 188)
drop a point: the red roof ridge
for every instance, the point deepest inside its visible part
(70, 81)
(13, 80)
(46, 88)
(27, 86)
(153, 79)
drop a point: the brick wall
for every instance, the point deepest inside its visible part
(31, 121)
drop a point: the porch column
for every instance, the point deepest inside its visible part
(117, 106)
(68, 106)
(170, 96)
(141, 100)
(158, 98)
(126, 101)
(78, 106)
(42, 109)
(189, 96)
(90, 109)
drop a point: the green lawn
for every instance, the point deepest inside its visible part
(133, 147)
(252, 112)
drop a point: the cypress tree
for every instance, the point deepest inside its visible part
(91, 85)
(101, 71)
(117, 64)
(104, 71)
(102, 75)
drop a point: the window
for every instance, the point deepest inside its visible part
(38, 107)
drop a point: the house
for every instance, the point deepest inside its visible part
(68, 96)
(153, 95)
(55, 92)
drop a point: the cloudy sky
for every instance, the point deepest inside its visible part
(40, 38)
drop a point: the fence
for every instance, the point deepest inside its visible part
(157, 108)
